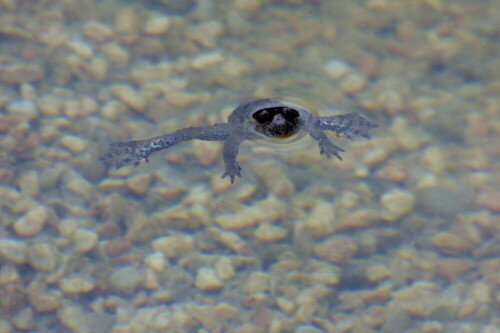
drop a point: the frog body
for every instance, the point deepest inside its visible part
(249, 121)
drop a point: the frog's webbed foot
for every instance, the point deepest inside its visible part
(328, 148)
(233, 169)
(134, 152)
(347, 125)
(125, 153)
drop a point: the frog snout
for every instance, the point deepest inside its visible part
(278, 120)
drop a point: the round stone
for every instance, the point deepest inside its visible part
(396, 204)
(207, 279)
(32, 223)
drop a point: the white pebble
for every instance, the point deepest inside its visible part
(336, 69)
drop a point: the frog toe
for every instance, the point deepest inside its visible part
(232, 170)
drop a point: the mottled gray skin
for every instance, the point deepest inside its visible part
(250, 121)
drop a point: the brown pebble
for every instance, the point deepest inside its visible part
(129, 96)
(355, 220)
(489, 271)
(12, 297)
(43, 257)
(13, 251)
(76, 285)
(339, 249)
(369, 66)
(116, 247)
(207, 280)
(489, 198)
(46, 301)
(174, 246)
(206, 34)
(353, 84)
(107, 230)
(157, 25)
(97, 31)
(269, 233)
(139, 184)
(21, 73)
(127, 259)
(454, 269)
(394, 172)
(32, 223)
(406, 30)
(451, 243)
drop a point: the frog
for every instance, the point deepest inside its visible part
(253, 120)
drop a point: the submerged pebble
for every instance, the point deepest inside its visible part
(21, 73)
(24, 319)
(224, 268)
(157, 25)
(270, 233)
(125, 279)
(76, 285)
(489, 198)
(32, 222)
(43, 257)
(174, 246)
(13, 251)
(451, 243)
(74, 144)
(207, 280)
(336, 69)
(46, 301)
(97, 31)
(397, 203)
(206, 33)
(148, 251)
(439, 201)
(139, 184)
(29, 183)
(353, 84)
(339, 249)
(24, 108)
(83, 240)
(129, 96)
(73, 317)
(156, 261)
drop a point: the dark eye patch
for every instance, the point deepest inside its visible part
(277, 122)
(290, 114)
(266, 115)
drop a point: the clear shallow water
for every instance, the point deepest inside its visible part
(401, 236)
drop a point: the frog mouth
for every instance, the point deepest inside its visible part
(277, 122)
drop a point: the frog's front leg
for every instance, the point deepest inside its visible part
(346, 125)
(229, 154)
(134, 152)
(326, 147)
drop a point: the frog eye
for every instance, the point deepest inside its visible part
(263, 116)
(290, 114)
